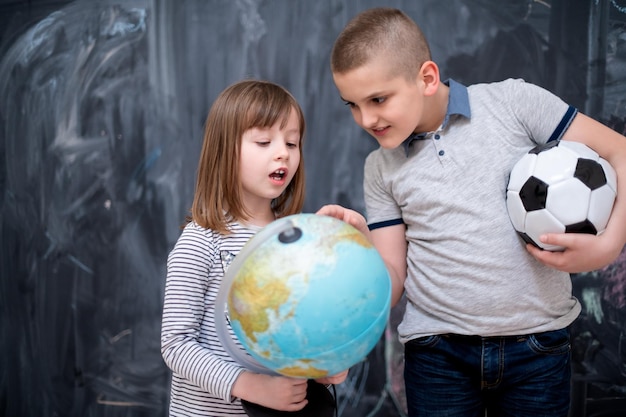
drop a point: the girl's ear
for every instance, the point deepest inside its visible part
(429, 76)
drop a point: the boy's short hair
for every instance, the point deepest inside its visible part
(383, 33)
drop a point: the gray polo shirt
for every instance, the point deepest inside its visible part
(468, 271)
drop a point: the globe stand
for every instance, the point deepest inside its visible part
(321, 404)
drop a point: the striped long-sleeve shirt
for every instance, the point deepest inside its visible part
(203, 372)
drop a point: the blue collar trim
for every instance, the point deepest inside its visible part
(458, 104)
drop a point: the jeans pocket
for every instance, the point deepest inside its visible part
(556, 342)
(422, 342)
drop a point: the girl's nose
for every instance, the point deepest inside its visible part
(282, 152)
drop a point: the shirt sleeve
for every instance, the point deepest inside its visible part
(381, 208)
(188, 290)
(545, 115)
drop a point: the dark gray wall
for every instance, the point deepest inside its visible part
(102, 106)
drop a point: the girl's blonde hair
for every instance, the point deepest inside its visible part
(244, 105)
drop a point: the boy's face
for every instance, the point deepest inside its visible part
(390, 108)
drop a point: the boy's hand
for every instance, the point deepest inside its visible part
(349, 216)
(334, 379)
(583, 252)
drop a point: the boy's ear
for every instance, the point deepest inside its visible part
(429, 75)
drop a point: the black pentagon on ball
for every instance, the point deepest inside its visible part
(543, 147)
(590, 173)
(582, 227)
(533, 194)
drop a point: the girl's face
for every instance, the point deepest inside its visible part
(269, 160)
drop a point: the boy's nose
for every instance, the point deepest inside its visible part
(369, 119)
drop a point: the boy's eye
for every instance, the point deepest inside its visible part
(348, 103)
(379, 100)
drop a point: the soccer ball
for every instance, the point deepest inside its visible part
(560, 187)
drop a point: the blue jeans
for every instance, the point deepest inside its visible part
(464, 376)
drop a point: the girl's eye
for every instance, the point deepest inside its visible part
(263, 143)
(292, 145)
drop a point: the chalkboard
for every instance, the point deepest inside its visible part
(102, 105)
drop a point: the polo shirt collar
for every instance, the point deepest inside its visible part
(458, 104)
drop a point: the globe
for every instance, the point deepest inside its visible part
(308, 296)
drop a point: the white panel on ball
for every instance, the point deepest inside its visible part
(521, 171)
(542, 221)
(599, 211)
(517, 213)
(555, 165)
(568, 201)
(580, 149)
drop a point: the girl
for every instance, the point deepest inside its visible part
(248, 175)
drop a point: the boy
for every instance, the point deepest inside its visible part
(486, 321)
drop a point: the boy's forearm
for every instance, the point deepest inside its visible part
(397, 288)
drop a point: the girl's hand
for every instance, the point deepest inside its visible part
(334, 379)
(276, 392)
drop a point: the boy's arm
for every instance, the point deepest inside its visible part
(389, 241)
(589, 252)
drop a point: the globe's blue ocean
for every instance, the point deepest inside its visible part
(336, 310)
